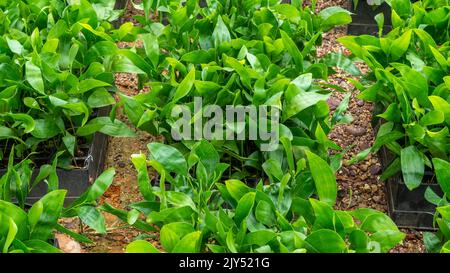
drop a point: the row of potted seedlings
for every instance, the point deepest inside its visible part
(409, 83)
(56, 90)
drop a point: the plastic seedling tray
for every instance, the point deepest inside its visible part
(409, 209)
(363, 21)
(75, 181)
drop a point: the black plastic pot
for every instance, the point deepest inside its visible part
(120, 4)
(409, 209)
(363, 21)
(75, 181)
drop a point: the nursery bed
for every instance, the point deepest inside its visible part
(358, 185)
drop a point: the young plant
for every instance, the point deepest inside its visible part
(56, 72)
(28, 227)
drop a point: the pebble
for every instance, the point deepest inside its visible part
(68, 245)
(374, 169)
(364, 168)
(364, 145)
(367, 187)
(360, 103)
(122, 164)
(341, 193)
(333, 103)
(374, 188)
(356, 131)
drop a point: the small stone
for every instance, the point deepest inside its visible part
(374, 188)
(68, 245)
(356, 131)
(364, 168)
(363, 146)
(367, 187)
(122, 164)
(333, 103)
(360, 103)
(341, 193)
(376, 198)
(374, 169)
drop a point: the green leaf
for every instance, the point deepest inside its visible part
(293, 50)
(180, 199)
(27, 122)
(264, 213)
(45, 128)
(89, 84)
(12, 231)
(95, 191)
(221, 34)
(358, 240)
(387, 239)
(41, 246)
(34, 77)
(236, 189)
(208, 156)
(151, 47)
(132, 216)
(52, 206)
(9, 210)
(34, 214)
(100, 98)
(31, 103)
(244, 207)
(104, 125)
(325, 241)
(442, 170)
(197, 57)
(189, 243)
(431, 241)
(378, 222)
(334, 16)
(15, 46)
(298, 100)
(413, 167)
(402, 7)
(324, 178)
(185, 86)
(169, 157)
(140, 163)
(441, 105)
(431, 118)
(343, 62)
(400, 45)
(259, 237)
(80, 238)
(141, 246)
(69, 142)
(92, 217)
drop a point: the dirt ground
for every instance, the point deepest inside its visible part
(359, 185)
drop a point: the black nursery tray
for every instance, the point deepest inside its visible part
(75, 181)
(409, 209)
(363, 21)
